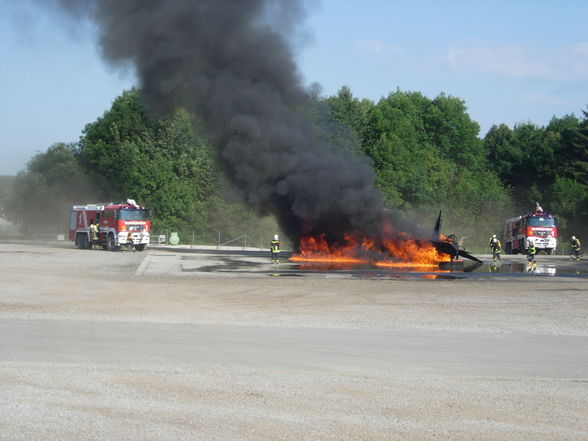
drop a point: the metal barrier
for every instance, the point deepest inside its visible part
(245, 240)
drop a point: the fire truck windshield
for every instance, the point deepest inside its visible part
(541, 221)
(132, 214)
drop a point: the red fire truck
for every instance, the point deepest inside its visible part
(118, 224)
(538, 228)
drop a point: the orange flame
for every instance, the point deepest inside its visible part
(396, 250)
(316, 249)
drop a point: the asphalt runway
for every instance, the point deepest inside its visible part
(205, 261)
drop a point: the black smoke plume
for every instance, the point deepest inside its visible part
(230, 62)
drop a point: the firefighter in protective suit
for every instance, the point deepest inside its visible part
(575, 248)
(531, 251)
(275, 249)
(94, 233)
(495, 246)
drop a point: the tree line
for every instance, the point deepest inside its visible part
(426, 153)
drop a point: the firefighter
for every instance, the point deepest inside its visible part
(94, 232)
(275, 249)
(531, 251)
(495, 246)
(575, 248)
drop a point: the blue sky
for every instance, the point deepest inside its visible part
(510, 61)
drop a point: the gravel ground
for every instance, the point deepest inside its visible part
(146, 346)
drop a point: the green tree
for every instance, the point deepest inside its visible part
(501, 153)
(568, 199)
(450, 129)
(351, 112)
(163, 163)
(571, 152)
(521, 158)
(118, 146)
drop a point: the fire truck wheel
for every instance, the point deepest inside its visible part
(140, 247)
(110, 243)
(82, 242)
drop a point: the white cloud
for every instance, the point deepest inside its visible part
(370, 46)
(580, 48)
(377, 47)
(566, 64)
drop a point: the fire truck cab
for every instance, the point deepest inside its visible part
(118, 224)
(538, 228)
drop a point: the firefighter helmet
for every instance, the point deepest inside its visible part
(573, 237)
(275, 237)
